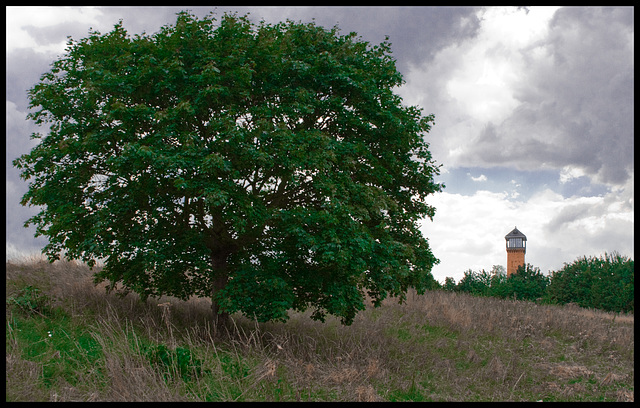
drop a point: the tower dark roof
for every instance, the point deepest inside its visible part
(515, 234)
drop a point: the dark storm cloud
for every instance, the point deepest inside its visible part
(416, 33)
(137, 20)
(18, 143)
(24, 68)
(576, 99)
(568, 215)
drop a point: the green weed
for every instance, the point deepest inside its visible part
(179, 361)
(30, 301)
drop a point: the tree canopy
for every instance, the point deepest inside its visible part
(268, 166)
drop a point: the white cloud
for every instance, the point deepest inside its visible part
(575, 95)
(20, 19)
(547, 89)
(569, 173)
(481, 177)
(471, 83)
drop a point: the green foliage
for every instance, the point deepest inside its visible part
(412, 394)
(234, 366)
(527, 283)
(30, 300)
(476, 283)
(449, 284)
(178, 361)
(267, 166)
(62, 349)
(604, 282)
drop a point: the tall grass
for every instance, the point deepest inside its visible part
(441, 346)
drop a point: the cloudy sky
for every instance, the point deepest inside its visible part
(534, 116)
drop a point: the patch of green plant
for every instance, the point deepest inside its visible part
(437, 331)
(413, 393)
(64, 349)
(462, 365)
(419, 333)
(218, 393)
(402, 333)
(227, 388)
(222, 380)
(280, 388)
(31, 301)
(233, 367)
(179, 361)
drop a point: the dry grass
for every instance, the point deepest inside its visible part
(440, 346)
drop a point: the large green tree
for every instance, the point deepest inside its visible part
(269, 167)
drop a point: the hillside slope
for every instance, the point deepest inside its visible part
(67, 340)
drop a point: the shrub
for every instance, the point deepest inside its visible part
(527, 283)
(604, 282)
(30, 301)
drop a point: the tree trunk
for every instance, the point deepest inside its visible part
(220, 279)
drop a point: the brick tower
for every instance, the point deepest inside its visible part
(516, 248)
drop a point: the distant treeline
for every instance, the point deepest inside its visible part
(604, 282)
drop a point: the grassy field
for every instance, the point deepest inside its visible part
(67, 340)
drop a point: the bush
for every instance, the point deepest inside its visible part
(476, 283)
(527, 283)
(449, 284)
(604, 283)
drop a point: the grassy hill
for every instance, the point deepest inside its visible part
(67, 340)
